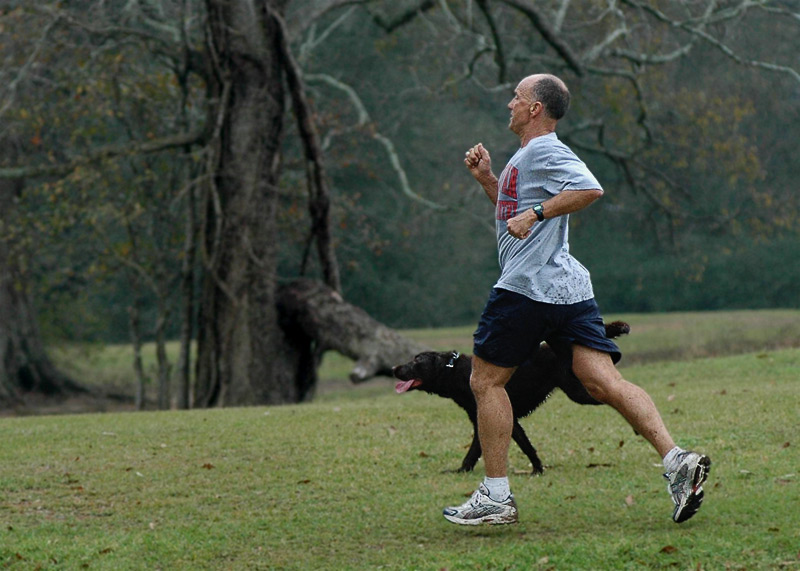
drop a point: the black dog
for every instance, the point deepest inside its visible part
(447, 375)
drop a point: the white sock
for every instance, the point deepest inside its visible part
(499, 489)
(670, 460)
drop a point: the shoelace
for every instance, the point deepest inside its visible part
(676, 487)
(475, 500)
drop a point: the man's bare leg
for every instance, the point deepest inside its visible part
(686, 471)
(495, 415)
(604, 382)
(492, 502)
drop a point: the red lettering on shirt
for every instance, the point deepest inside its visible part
(506, 209)
(508, 186)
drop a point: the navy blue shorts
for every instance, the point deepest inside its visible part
(512, 326)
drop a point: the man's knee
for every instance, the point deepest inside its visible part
(481, 383)
(596, 372)
(486, 376)
(477, 384)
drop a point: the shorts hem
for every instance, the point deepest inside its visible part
(477, 353)
(615, 354)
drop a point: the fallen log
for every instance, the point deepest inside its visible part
(312, 309)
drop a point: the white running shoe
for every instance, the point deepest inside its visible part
(686, 484)
(481, 509)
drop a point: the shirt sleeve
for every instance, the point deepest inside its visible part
(565, 171)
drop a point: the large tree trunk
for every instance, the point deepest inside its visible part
(247, 352)
(240, 347)
(24, 365)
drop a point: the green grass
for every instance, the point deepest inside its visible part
(354, 481)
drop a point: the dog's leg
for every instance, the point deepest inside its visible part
(473, 454)
(519, 436)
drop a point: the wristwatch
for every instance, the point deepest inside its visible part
(539, 211)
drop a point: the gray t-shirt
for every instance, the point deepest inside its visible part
(540, 266)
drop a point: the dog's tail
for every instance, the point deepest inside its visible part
(617, 328)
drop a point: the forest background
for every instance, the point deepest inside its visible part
(123, 124)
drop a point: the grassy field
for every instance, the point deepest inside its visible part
(355, 480)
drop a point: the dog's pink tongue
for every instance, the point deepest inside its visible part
(403, 386)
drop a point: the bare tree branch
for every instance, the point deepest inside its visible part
(12, 85)
(643, 58)
(499, 56)
(390, 25)
(313, 41)
(641, 100)
(548, 33)
(126, 31)
(101, 154)
(297, 22)
(561, 13)
(364, 121)
(319, 203)
(694, 26)
(776, 10)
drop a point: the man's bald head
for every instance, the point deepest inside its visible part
(551, 91)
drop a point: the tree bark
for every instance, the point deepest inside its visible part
(187, 305)
(164, 367)
(24, 364)
(239, 341)
(136, 343)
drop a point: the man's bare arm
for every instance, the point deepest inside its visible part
(565, 202)
(479, 163)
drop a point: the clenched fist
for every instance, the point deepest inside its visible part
(478, 161)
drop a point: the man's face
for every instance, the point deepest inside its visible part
(520, 107)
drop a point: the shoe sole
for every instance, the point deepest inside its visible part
(693, 500)
(485, 520)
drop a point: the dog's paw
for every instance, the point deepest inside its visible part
(461, 470)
